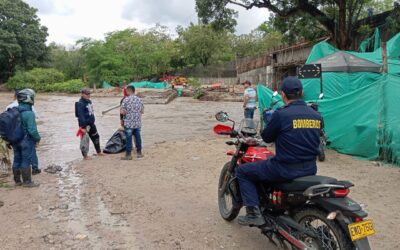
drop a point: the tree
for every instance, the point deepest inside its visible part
(128, 55)
(202, 44)
(22, 38)
(339, 18)
(256, 42)
(71, 62)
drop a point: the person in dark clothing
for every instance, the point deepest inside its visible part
(86, 121)
(295, 129)
(23, 150)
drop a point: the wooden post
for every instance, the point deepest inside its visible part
(384, 58)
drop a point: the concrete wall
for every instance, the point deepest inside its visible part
(222, 80)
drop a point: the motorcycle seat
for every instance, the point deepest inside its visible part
(302, 183)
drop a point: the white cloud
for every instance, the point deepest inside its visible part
(71, 20)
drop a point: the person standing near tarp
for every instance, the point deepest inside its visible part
(86, 120)
(35, 161)
(132, 108)
(250, 100)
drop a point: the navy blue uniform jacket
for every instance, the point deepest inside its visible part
(295, 129)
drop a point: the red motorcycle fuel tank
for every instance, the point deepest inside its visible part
(254, 154)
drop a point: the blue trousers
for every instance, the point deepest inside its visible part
(135, 132)
(249, 113)
(23, 153)
(35, 161)
(266, 171)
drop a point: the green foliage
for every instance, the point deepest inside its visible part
(35, 78)
(301, 19)
(44, 80)
(128, 55)
(201, 44)
(22, 38)
(71, 86)
(194, 82)
(215, 14)
(198, 93)
(257, 42)
(70, 62)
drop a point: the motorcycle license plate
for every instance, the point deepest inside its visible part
(361, 229)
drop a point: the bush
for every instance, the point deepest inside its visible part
(194, 82)
(44, 80)
(198, 93)
(35, 78)
(71, 86)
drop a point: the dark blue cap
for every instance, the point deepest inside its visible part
(291, 85)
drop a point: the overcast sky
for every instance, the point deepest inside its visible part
(70, 20)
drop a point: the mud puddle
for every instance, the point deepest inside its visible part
(83, 218)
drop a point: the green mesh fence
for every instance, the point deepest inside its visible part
(361, 109)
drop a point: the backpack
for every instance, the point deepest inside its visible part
(11, 126)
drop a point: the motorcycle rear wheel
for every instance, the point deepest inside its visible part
(331, 235)
(227, 207)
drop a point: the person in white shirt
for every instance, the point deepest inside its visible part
(250, 100)
(35, 161)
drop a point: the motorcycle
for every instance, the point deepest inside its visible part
(311, 212)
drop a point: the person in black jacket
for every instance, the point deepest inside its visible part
(86, 120)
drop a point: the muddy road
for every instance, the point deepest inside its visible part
(181, 119)
(167, 200)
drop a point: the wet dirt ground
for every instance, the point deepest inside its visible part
(166, 200)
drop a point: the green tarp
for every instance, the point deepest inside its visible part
(365, 122)
(361, 109)
(150, 85)
(106, 85)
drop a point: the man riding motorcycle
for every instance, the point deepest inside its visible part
(295, 129)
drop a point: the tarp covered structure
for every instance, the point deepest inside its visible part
(361, 109)
(342, 61)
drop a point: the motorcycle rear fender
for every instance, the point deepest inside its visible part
(345, 205)
(362, 244)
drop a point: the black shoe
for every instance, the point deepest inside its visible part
(127, 157)
(27, 178)
(17, 177)
(36, 171)
(253, 217)
(139, 154)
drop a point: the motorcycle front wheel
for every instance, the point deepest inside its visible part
(321, 155)
(329, 233)
(227, 207)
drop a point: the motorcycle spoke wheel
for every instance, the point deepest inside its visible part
(330, 234)
(325, 234)
(226, 205)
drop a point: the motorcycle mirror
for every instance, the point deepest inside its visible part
(275, 93)
(222, 116)
(321, 96)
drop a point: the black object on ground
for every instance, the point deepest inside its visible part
(52, 169)
(116, 144)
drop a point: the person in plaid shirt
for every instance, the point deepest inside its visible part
(132, 108)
